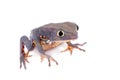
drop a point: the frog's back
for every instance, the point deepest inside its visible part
(66, 26)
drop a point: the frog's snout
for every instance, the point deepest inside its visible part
(74, 37)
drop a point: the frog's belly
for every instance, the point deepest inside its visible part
(50, 46)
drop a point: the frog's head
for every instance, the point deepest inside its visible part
(63, 31)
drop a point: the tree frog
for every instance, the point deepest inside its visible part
(48, 37)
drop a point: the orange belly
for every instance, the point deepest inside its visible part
(50, 46)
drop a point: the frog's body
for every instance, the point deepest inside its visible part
(47, 37)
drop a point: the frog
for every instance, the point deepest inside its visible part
(47, 37)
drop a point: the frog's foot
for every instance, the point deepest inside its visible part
(71, 46)
(49, 59)
(24, 59)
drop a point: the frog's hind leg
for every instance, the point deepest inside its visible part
(25, 42)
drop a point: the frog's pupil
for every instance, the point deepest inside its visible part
(60, 33)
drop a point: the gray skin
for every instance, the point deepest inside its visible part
(54, 32)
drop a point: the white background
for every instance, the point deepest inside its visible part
(98, 20)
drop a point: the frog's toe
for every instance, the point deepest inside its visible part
(71, 46)
(52, 59)
(49, 59)
(79, 48)
(80, 44)
(24, 59)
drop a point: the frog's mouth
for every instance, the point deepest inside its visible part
(48, 41)
(64, 40)
(58, 41)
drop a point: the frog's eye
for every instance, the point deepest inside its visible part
(60, 33)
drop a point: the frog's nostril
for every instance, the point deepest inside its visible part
(77, 27)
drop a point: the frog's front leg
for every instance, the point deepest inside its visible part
(51, 58)
(24, 41)
(40, 49)
(71, 46)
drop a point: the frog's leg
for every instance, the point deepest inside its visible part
(51, 58)
(40, 49)
(71, 46)
(24, 41)
(43, 55)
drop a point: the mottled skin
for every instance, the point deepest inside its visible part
(47, 37)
